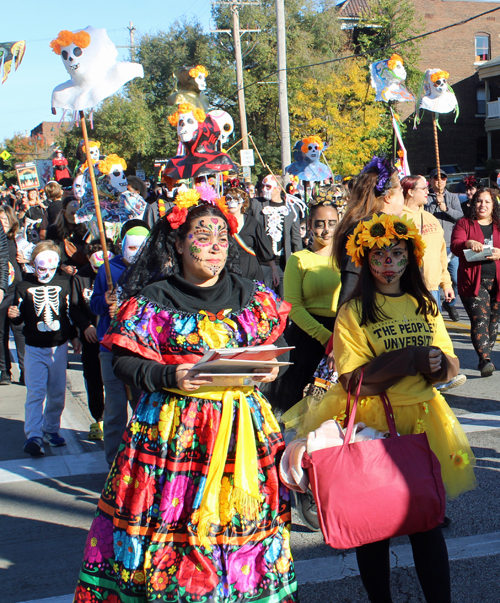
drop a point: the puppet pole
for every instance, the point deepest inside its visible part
(102, 234)
(436, 147)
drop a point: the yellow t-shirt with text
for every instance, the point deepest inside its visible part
(355, 345)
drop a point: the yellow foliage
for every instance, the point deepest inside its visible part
(343, 110)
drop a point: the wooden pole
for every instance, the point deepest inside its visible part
(102, 234)
(436, 148)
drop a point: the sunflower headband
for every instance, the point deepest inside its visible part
(202, 193)
(380, 231)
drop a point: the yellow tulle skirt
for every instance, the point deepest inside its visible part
(434, 417)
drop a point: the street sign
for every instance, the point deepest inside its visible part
(5, 155)
(246, 157)
(246, 173)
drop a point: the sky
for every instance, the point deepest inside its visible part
(25, 97)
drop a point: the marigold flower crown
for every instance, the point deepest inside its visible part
(380, 231)
(201, 194)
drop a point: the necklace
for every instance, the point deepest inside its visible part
(403, 314)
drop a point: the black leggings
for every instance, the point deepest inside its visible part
(431, 562)
(484, 314)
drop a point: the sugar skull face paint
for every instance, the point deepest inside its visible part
(322, 225)
(269, 186)
(97, 259)
(46, 263)
(204, 251)
(387, 264)
(78, 188)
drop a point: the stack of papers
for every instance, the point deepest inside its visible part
(237, 366)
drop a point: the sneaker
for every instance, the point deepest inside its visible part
(307, 510)
(54, 439)
(6, 378)
(487, 368)
(453, 314)
(34, 447)
(95, 432)
(451, 384)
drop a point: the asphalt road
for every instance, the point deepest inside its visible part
(47, 505)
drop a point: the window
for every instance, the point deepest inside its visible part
(480, 101)
(482, 47)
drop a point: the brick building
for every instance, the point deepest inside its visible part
(460, 51)
(48, 131)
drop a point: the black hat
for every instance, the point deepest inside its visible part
(132, 224)
(434, 173)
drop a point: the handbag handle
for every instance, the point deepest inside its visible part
(352, 414)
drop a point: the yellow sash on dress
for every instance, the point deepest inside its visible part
(245, 497)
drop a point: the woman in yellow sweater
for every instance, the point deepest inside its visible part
(310, 282)
(435, 263)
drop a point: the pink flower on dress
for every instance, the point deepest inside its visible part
(249, 322)
(246, 567)
(177, 497)
(99, 545)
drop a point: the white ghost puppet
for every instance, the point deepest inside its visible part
(436, 94)
(89, 57)
(387, 78)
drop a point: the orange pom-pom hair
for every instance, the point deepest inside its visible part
(195, 71)
(440, 75)
(307, 141)
(65, 38)
(184, 108)
(106, 165)
(391, 63)
(92, 143)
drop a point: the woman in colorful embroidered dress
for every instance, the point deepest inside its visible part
(192, 509)
(390, 334)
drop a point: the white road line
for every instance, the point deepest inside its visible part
(327, 569)
(52, 466)
(478, 421)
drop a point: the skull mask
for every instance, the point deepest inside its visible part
(312, 151)
(72, 57)
(46, 265)
(201, 81)
(187, 127)
(117, 178)
(78, 187)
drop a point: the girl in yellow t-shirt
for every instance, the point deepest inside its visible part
(391, 328)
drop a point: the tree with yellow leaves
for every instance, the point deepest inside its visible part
(342, 110)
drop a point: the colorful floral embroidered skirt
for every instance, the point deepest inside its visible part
(143, 544)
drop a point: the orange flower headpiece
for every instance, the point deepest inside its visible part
(198, 114)
(195, 71)
(307, 141)
(440, 75)
(192, 197)
(379, 232)
(65, 38)
(391, 63)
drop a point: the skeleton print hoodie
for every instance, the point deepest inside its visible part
(44, 311)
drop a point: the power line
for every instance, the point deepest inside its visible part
(368, 52)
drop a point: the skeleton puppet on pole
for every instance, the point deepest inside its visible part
(89, 57)
(436, 95)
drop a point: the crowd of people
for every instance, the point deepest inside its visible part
(193, 506)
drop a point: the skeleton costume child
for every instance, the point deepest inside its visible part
(43, 301)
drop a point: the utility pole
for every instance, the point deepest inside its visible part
(131, 30)
(286, 157)
(236, 6)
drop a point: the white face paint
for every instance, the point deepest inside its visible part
(269, 184)
(117, 178)
(187, 126)
(201, 80)
(399, 71)
(313, 151)
(130, 246)
(46, 264)
(78, 189)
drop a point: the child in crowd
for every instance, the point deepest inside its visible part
(43, 306)
(82, 286)
(103, 304)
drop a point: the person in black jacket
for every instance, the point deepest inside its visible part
(10, 225)
(82, 287)
(43, 305)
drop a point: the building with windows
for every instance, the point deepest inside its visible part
(461, 51)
